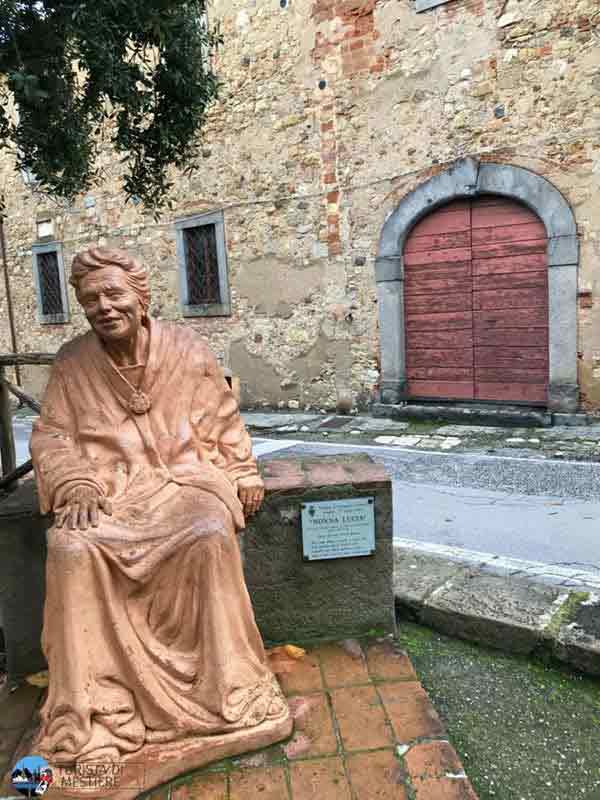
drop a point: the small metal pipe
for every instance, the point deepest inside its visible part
(7, 438)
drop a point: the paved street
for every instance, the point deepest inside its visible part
(22, 432)
(475, 505)
(518, 508)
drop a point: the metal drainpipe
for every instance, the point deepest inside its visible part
(9, 305)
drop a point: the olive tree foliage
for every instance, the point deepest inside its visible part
(76, 77)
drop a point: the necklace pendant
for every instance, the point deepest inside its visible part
(139, 403)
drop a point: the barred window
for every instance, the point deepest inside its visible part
(50, 285)
(203, 265)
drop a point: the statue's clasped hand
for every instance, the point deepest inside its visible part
(82, 508)
(251, 492)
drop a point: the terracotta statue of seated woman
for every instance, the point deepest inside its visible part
(140, 451)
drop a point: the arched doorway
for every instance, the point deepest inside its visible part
(476, 303)
(469, 180)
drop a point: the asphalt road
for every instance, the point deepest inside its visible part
(521, 508)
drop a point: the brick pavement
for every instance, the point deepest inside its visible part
(364, 730)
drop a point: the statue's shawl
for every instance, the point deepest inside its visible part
(192, 435)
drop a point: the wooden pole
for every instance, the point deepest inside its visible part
(9, 305)
(7, 439)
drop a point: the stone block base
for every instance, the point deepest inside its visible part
(296, 599)
(22, 579)
(563, 398)
(466, 413)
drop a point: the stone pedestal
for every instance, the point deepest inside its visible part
(295, 599)
(22, 579)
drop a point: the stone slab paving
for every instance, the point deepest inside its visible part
(261, 421)
(364, 730)
(570, 442)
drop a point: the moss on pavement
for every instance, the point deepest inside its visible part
(524, 730)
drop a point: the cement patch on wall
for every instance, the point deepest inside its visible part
(274, 287)
(305, 379)
(258, 380)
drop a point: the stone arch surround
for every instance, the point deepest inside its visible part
(471, 178)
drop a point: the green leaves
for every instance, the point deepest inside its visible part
(132, 76)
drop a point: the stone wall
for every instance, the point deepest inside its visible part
(331, 111)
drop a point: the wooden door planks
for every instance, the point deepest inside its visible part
(476, 303)
(439, 305)
(510, 294)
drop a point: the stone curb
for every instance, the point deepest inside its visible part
(508, 417)
(517, 614)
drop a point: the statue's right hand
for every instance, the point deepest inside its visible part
(82, 508)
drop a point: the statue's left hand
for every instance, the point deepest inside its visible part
(82, 506)
(251, 492)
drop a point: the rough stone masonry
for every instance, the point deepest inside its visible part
(331, 112)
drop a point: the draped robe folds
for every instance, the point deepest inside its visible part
(148, 628)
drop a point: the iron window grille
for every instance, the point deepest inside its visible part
(50, 284)
(202, 258)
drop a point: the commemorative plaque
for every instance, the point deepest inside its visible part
(338, 528)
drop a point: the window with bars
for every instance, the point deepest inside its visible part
(49, 277)
(203, 265)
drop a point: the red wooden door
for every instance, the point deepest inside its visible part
(476, 303)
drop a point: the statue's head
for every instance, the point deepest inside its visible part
(112, 289)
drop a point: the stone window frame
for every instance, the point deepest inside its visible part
(469, 178)
(64, 316)
(425, 5)
(222, 309)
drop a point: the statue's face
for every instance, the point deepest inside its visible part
(112, 307)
